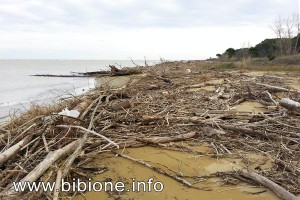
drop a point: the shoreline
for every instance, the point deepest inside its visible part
(175, 112)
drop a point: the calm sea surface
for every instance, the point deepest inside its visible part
(18, 89)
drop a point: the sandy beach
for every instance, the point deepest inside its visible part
(188, 125)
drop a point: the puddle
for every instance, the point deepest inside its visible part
(205, 88)
(250, 106)
(120, 169)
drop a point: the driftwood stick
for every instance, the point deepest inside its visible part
(57, 184)
(278, 190)
(274, 88)
(160, 171)
(45, 142)
(290, 104)
(42, 167)
(156, 140)
(90, 131)
(6, 155)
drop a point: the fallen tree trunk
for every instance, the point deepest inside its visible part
(156, 140)
(278, 190)
(42, 167)
(290, 104)
(6, 155)
(274, 88)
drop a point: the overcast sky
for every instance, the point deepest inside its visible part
(118, 29)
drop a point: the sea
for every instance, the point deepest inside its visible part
(19, 89)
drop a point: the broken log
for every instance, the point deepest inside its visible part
(156, 140)
(148, 119)
(278, 190)
(42, 167)
(6, 155)
(275, 88)
(290, 104)
(120, 106)
(61, 76)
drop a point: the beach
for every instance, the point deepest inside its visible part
(197, 130)
(19, 90)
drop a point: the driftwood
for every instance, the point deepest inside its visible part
(278, 190)
(269, 97)
(61, 76)
(43, 166)
(156, 140)
(122, 72)
(92, 132)
(148, 119)
(120, 106)
(6, 155)
(57, 184)
(290, 104)
(275, 88)
(160, 171)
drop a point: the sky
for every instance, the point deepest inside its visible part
(119, 29)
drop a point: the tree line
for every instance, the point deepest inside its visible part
(286, 42)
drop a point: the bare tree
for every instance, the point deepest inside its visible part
(278, 29)
(289, 25)
(297, 26)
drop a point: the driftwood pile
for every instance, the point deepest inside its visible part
(161, 108)
(114, 71)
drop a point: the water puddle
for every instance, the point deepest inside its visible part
(120, 169)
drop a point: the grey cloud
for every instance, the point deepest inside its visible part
(141, 13)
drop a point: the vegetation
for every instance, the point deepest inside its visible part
(286, 43)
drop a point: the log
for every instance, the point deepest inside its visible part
(61, 75)
(148, 119)
(42, 167)
(120, 106)
(160, 171)
(57, 184)
(278, 190)
(273, 88)
(6, 155)
(290, 104)
(156, 140)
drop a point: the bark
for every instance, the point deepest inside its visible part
(278, 190)
(290, 104)
(42, 167)
(6, 155)
(156, 140)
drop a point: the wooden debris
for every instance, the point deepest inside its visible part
(12, 151)
(290, 104)
(278, 190)
(120, 106)
(157, 140)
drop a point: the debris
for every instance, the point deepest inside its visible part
(157, 109)
(290, 104)
(281, 193)
(120, 106)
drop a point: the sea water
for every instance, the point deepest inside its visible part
(18, 89)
